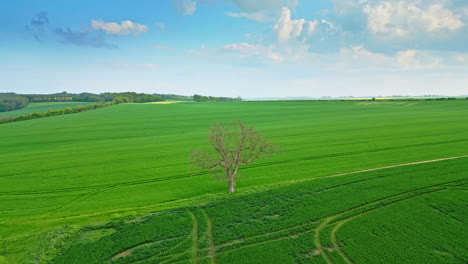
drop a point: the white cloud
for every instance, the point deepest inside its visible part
(186, 7)
(259, 16)
(416, 60)
(363, 56)
(357, 58)
(401, 18)
(287, 28)
(311, 26)
(330, 25)
(124, 28)
(246, 50)
(461, 58)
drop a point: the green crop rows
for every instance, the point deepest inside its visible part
(300, 223)
(60, 173)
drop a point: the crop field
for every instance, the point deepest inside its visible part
(42, 108)
(336, 220)
(114, 185)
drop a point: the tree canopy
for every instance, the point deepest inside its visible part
(232, 147)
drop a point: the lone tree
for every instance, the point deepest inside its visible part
(232, 147)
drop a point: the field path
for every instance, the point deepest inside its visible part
(194, 238)
(394, 166)
(209, 235)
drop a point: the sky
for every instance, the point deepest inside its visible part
(247, 48)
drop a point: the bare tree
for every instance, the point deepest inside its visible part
(232, 147)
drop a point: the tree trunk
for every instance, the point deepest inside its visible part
(231, 186)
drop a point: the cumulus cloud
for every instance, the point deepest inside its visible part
(37, 25)
(259, 16)
(93, 35)
(124, 28)
(461, 58)
(401, 18)
(416, 60)
(82, 38)
(287, 28)
(362, 55)
(358, 58)
(186, 7)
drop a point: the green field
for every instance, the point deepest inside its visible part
(42, 108)
(300, 223)
(122, 161)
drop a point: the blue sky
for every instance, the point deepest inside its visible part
(247, 48)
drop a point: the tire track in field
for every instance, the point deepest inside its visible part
(342, 222)
(116, 256)
(227, 244)
(194, 250)
(324, 223)
(209, 235)
(194, 238)
(78, 200)
(399, 197)
(168, 257)
(292, 182)
(349, 153)
(195, 241)
(186, 175)
(394, 166)
(289, 235)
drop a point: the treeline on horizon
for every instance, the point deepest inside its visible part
(202, 98)
(127, 97)
(12, 101)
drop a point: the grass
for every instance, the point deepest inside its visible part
(307, 217)
(132, 158)
(42, 108)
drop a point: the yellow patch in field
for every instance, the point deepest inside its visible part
(166, 102)
(402, 103)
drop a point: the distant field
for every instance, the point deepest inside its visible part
(132, 158)
(43, 107)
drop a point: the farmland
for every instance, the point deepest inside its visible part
(108, 169)
(299, 223)
(42, 108)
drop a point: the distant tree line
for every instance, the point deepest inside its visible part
(441, 99)
(176, 97)
(64, 111)
(11, 101)
(201, 98)
(127, 97)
